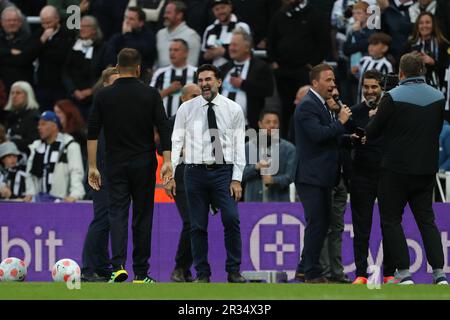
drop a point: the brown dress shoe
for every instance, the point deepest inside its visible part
(319, 280)
(299, 277)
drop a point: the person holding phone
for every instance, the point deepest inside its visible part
(364, 176)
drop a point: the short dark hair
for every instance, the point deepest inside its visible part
(128, 58)
(210, 67)
(380, 37)
(315, 72)
(411, 64)
(139, 11)
(268, 111)
(180, 6)
(183, 42)
(372, 74)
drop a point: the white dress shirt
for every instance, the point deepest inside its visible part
(191, 132)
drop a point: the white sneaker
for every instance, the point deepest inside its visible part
(406, 281)
(441, 281)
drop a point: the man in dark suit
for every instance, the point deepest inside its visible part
(316, 135)
(247, 79)
(128, 110)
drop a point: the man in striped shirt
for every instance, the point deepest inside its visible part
(169, 80)
(217, 36)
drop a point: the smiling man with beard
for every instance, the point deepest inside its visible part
(211, 130)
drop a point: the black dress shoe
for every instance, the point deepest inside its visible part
(188, 276)
(178, 275)
(318, 280)
(202, 279)
(342, 279)
(299, 277)
(93, 278)
(236, 277)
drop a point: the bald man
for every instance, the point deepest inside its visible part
(301, 93)
(183, 258)
(51, 44)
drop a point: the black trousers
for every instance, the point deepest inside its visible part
(204, 187)
(363, 192)
(95, 249)
(133, 181)
(396, 190)
(183, 258)
(317, 206)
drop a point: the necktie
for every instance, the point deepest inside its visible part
(217, 151)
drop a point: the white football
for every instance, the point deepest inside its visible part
(13, 269)
(66, 270)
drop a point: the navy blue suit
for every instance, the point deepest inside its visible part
(316, 140)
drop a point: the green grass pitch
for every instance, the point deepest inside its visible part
(219, 291)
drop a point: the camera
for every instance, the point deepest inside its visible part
(389, 81)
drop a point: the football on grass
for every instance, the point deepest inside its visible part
(66, 270)
(13, 269)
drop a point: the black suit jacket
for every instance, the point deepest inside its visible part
(258, 85)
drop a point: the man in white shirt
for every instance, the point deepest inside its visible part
(176, 28)
(211, 129)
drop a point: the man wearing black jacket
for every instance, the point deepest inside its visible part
(52, 42)
(364, 177)
(297, 40)
(247, 79)
(128, 110)
(410, 118)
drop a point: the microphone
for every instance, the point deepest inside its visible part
(341, 105)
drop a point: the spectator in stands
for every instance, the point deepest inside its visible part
(52, 43)
(257, 14)
(176, 28)
(395, 21)
(109, 15)
(153, 10)
(12, 172)
(83, 64)
(134, 35)
(293, 48)
(247, 79)
(72, 123)
(22, 116)
(217, 36)
(54, 168)
(444, 148)
(16, 56)
(260, 185)
(301, 93)
(376, 59)
(169, 80)
(62, 5)
(358, 38)
(427, 40)
(421, 6)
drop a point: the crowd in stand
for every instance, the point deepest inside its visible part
(49, 74)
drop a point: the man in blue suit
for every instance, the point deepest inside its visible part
(317, 132)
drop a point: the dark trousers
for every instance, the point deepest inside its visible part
(132, 182)
(204, 187)
(183, 258)
(363, 192)
(95, 248)
(317, 206)
(395, 191)
(331, 255)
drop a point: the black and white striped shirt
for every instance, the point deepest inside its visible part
(14, 178)
(367, 63)
(217, 34)
(162, 79)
